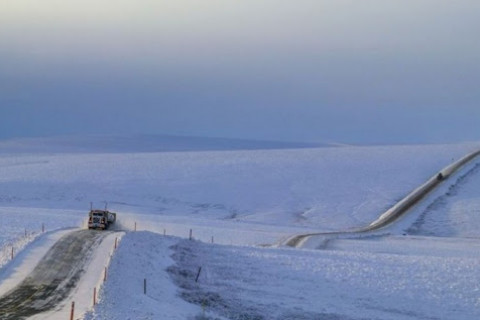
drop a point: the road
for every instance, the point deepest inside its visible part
(394, 213)
(53, 278)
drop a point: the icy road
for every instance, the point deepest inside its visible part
(53, 278)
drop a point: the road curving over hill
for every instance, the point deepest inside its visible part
(399, 209)
(54, 278)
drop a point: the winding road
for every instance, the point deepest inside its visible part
(399, 209)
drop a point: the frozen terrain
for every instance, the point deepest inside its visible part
(242, 200)
(454, 213)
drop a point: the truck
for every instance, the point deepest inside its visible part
(101, 219)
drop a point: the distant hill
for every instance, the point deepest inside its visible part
(139, 143)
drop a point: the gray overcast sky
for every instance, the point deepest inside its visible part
(371, 71)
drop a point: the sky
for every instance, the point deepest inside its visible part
(349, 71)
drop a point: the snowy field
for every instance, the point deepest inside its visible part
(243, 200)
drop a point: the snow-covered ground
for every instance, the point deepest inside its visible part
(398, 278)
(323, 188)
(454, 212)
(244, 199)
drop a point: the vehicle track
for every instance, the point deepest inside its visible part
(53, 278)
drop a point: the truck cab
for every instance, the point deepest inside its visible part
(100, 219)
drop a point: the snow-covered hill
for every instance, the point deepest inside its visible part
(239, 197)
(139, 143)
(322, 188)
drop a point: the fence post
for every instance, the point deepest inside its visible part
(43, 227)
(94, 296)
(72, 310)
(191, 233)
(135, 229)
(105, 275)
(145, 286)
(198, 274)
(12, 252)
(116, 239)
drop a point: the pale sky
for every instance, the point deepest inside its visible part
(353, 71)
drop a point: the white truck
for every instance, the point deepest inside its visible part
(101, 219)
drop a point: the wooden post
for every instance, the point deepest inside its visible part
(191, 234)
(198, 274)
(72, 310)
(164, 232)
(135, 229)
(94, 296)
(12, 253)
(212, 239)
(145, 286)
(43, 228)
(105, 275)
(116, 239)
(25, 232)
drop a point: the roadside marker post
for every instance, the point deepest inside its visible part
(191, 234)
(94, 296)
(72, 311)
(145, 286)
(12, 253)
(105, 275)
(198, 274)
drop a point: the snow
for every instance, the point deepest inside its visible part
(146, 257)
(19, 268)
(138, 144)
(93, 277)
(298, 187)
(351, 280)
(25, 261)
(455, 212)
(246, 202)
